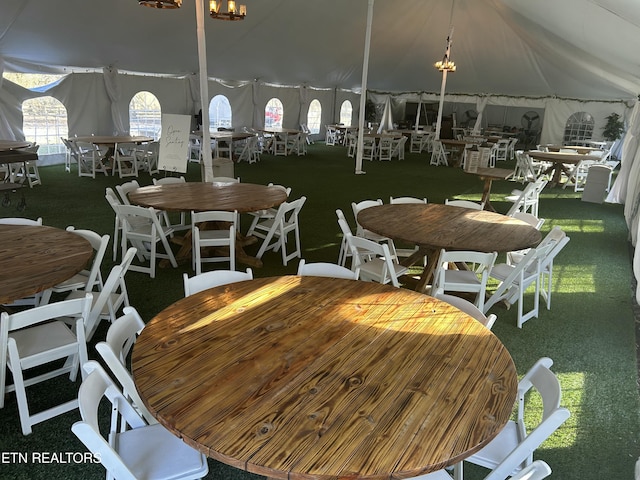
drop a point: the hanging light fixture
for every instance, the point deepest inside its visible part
(446, 63)
(233, 13)
(161, 3)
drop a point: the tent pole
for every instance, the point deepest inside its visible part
(447, 56)
(204, 93)
(363, 93)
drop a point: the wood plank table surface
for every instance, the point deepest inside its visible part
(489, 175)
(559, 162)
(308, 378)
(13, 144)
(34, 258)
(111, 142)
(201, 196)
(435, 226)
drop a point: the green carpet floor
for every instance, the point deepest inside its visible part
(589, 332)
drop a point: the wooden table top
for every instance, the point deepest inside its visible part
(561, 157)
(34, 258)
(578, 148)
(275, 130)
(453, 228)
(13, 144)
(112, 139)
(390, 382)
(200, 196)
(492, 173)
(227, 135)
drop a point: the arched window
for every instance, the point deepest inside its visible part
(346, 111)
(314, 116)
(145, 115)
(579, 127)
(273, 114)
(44, 122)
(219, 113)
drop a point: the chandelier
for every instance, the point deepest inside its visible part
(161, 3)
(232, 12)
(446, 65)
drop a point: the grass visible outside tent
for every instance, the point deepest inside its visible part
(589, 332)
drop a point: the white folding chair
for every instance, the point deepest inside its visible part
(126, 188)
(126, 162)
(142, 451)
(514, 281)
(464, 204)
(467, 307)
(223, 237)
(276, 231)
(512, 449)
(114, 351)
(471, 277)
(357, 207)
(373, 262)
(141, 227)
(214, 278)
(182, 224)
(87, 280)
(325, 269)
(35, 338)
(114, 295)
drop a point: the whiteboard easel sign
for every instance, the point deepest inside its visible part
(174, 143)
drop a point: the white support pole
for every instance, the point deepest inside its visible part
(447, 54)
(363, 93)
(205, 146)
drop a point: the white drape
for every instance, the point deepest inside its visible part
(386, 123)
(112, 86)
(481, 103)
(630, 146)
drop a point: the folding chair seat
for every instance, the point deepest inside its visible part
(221, 237)
(325, 269)
(214, 278)
(142, 450)
(142, 229)
(470, 277)
(373, 261)
(37, 338)
(276, 231)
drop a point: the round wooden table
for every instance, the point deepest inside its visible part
(199, 196)
(310, 378)
(559, 162)
(34, 258)
(435, 226)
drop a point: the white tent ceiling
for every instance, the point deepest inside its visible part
(582, 49)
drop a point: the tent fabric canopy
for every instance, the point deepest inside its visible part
(574, 49)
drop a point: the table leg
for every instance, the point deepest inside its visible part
(184, 254)
(486, 195)
(427, 274)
